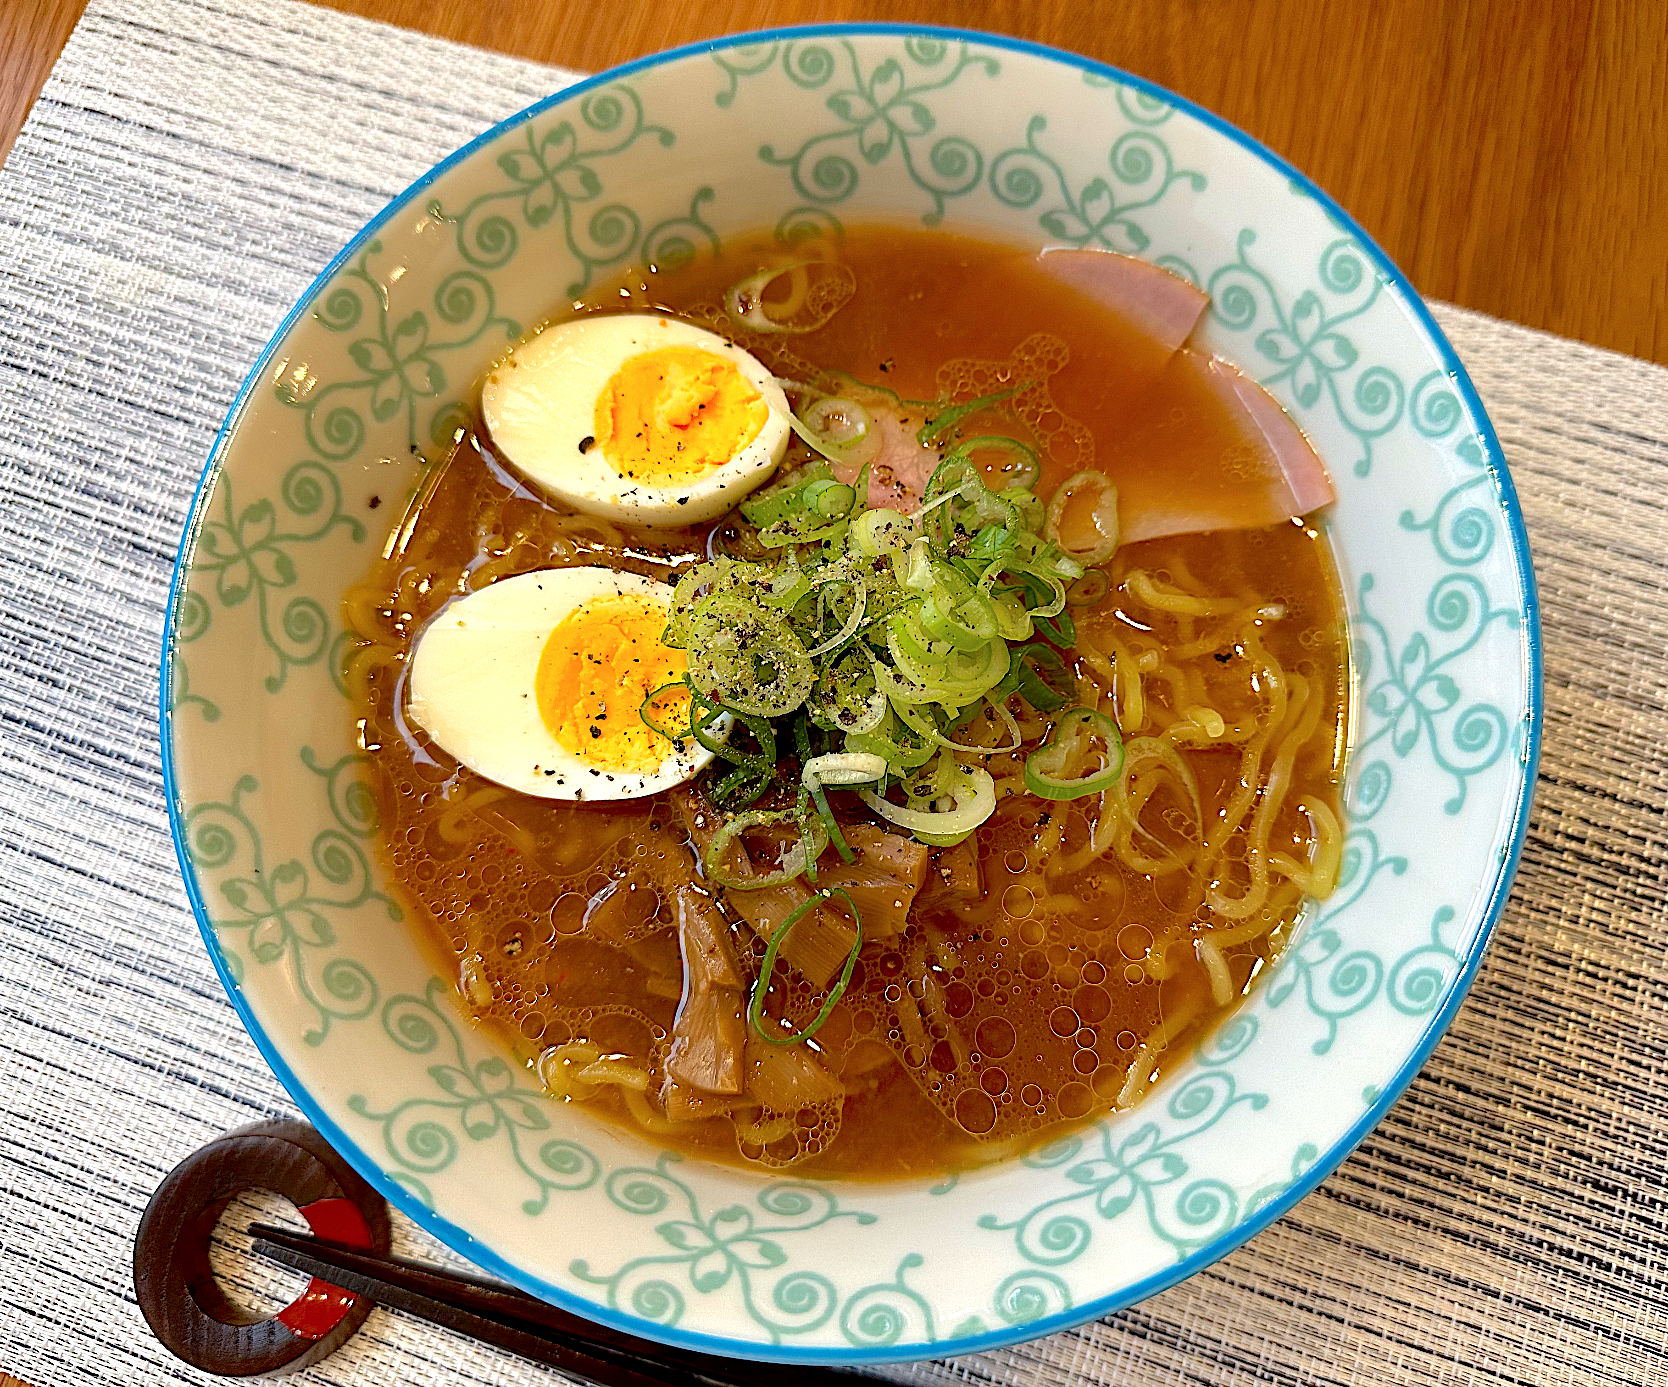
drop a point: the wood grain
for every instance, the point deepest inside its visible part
(1511, 157)
(31, 33)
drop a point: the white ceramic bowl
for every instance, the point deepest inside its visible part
(843, 124)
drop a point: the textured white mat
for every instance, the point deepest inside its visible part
(190, 166)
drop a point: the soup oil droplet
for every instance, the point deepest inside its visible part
(1134, 940)
(975, 1112)
(1075, 1100)
(996, 1037)
(1019, 902)
(1093, 1004)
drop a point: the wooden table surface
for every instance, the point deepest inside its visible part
(1510, 155)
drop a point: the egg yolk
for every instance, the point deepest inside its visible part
(599, 664)
(676, 414)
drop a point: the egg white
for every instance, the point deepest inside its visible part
(540, 402)
(471, 687)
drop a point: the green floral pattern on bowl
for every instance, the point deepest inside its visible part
(813, 129)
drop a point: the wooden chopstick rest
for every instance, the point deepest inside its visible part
(178, 1293)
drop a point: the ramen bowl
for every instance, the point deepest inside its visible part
(363, 388)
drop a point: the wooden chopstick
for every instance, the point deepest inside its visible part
(501, 1315)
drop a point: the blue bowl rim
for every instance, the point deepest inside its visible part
(465, 1243)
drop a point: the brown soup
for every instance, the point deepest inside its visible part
(1045, 971)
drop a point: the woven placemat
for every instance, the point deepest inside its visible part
(188, 169)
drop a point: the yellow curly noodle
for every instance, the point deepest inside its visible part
(1052, 967)
(1154, 674)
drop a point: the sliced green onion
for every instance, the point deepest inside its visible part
(845, 697)
(683, 734)
(841, 768)
(974, 794)
(802, 743)
(753, 771)
(942, 422)
(860, 443)
(745, 301)
(848, 629)
(755, 1002)
(902, 747)
(840, 422)
(921, 720)
(787, 498)
(792, 863)
(992, 542)
(747, 657)
(880, 531)
(1047, 768)
(1013, 620)
(1088, 590)
(888, 632)
(786, 588)
(1060, 629)
(817, 290)
(976, 673)
(968, 625)
(830, 499)
(1037, 674)
(1094, 536)
(1045, 594)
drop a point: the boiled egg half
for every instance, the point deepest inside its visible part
(538, 682)
(637, 417)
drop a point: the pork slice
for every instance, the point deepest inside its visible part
(1224, 457)
(899, 466)
(1307, 483)
(1162, 308)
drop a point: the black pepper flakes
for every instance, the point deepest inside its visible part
(587, 443)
